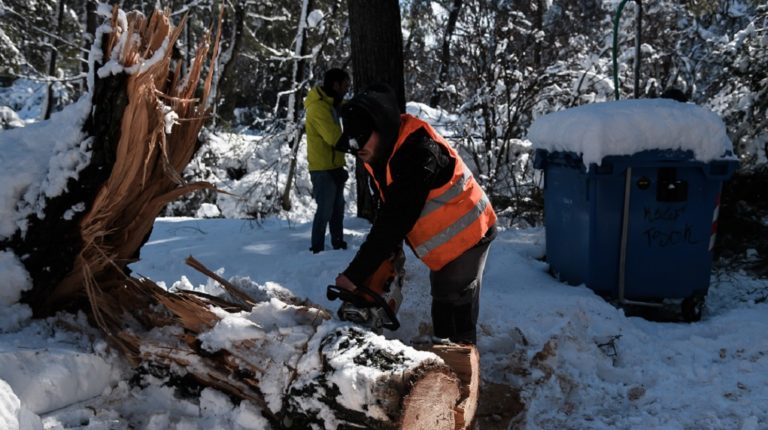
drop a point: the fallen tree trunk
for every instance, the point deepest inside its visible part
(299, 367)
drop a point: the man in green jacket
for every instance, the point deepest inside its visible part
(326, 165)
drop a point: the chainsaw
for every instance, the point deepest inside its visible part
(375, 303)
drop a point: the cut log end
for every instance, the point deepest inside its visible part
(430, 403)
(464, 360)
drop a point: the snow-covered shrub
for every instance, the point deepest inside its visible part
(9, 118)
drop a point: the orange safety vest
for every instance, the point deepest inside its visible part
(455, 216)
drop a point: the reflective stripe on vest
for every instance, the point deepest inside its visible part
(455, 216)
(454, 229)
(449, 194)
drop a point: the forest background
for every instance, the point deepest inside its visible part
(487, 68)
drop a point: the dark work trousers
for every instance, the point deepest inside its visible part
(329, 195)
(456, 295)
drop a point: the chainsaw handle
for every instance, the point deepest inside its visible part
(395, 324)
(334, 292)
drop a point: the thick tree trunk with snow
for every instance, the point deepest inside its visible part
(142, 131)
(52, 243)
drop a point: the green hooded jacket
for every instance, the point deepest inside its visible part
(323, 131)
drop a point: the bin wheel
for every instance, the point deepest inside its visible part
(691, 308)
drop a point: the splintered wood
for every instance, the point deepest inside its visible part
(148, 164)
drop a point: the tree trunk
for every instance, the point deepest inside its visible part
(377, 57)
(134, 170)
(295, 130)
(88, 39)
(52, 57)
(445, 53)
(230, 75)
(308, 370)
(377, 45)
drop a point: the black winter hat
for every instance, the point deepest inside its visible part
(358, 124)
(374, 108)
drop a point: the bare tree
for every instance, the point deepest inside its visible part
(294, 103)
(229, 79)
(52, 55)
(445, 53)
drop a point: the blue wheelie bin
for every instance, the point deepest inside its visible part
(638, 227)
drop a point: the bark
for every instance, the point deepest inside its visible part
(377, 45)
(377, 57)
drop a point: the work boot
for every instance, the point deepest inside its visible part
(315, 250)
(340, 245)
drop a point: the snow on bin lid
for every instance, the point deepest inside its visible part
(624, 127)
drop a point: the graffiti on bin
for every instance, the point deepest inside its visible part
(663, 213)
(664, 238)
(660, 233)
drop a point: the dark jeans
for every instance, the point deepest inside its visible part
(328, 192)
(456, 295)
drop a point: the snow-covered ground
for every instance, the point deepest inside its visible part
(578, 361)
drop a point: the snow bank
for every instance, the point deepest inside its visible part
(9, 407)
(13, 415)
(37, 161)
(625, 127)
(15, 279)
(45, 379)
(9, 118)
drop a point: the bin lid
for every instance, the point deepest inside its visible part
(625, 127)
